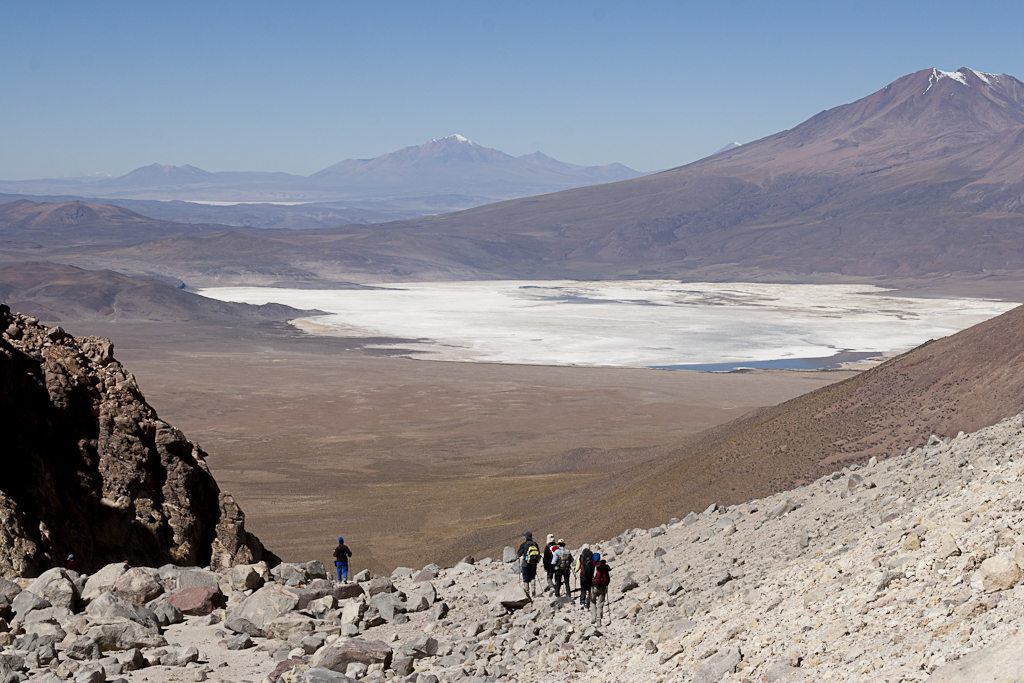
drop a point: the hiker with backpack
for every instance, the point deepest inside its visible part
(585, 571)
(599, 589)
(549, 565)
(341, 555)
(529, 557)
(562, 559)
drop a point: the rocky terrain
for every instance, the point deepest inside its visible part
(904, 569)
(88, 468)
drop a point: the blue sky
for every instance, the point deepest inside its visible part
(110, 86)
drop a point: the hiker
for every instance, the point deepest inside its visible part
(341, 555)
(585, 572)
(562, 559)
(529, 557)
(549, 565)
(599, 589)
(72, 565)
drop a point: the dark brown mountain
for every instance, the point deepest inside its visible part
(964, 382)
(923, 178)
(57, 292)
(88, 468)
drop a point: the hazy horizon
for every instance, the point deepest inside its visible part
(262, 87)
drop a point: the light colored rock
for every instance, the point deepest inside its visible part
(715, 667)
(996, 574)
(56, 587)
(513, 596)
(343, 652)
(103, 581)
(999, 663)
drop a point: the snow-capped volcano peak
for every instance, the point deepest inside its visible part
(963, 77)
(453, 138)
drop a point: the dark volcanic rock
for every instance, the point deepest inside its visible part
(90, 469)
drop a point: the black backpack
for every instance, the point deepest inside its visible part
(586, 564)
(602, 576)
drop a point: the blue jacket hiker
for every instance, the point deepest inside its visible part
(341, 555)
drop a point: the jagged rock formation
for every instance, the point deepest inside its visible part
(88, 468)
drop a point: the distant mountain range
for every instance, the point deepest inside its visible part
(450, 166)
(920, 180)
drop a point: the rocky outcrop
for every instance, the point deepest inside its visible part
(89, 468)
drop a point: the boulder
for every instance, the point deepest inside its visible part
(380, 584)
(714, 668)
(425, 575)
(417, 602)
(388, 605)
(110, 606)
(168, 614)
(292, 574)
(103, 581)
(9, 589)
(198, 601)
(195, 577)
(993, 664)
(57, 586)
(784, 508)
(343, 652)
(240, 642)
(26, 601)
(315, 570)
(244, 577)
(322, 675)
(259, 609)
(83, 649)
(138, 585)
(344, 591)
(353, 611)
(508, 555)
(996, 574)
(513, 596)
(420, 648)
(123, 634)
(438, 611)
(947, 546)
(285, 625)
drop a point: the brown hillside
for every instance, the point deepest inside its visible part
(965, 382)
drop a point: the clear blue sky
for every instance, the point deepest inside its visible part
(109, 86)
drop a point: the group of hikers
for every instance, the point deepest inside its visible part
(592, 573)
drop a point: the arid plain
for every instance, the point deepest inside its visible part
(412, 461)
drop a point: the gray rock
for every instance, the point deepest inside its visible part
(629, 582)
(240, 642)
(362, 576)
(438, 611)
(513, 596)
(110, 606)
(784, 508)
(381, 584)
(417, 603)
(187, 655)
(1000, 663)
(138, 585)
(103, 581)
(690, 518)
(244, 577)
(132, 660)
(292, 574)
(343, 652)
(388, 605)
(167, 614)
(27, 601)
(421, 648)
(195, 577)
(425, 575)
(508, 554)
(712, 669)
(91, 674)
(352, 612)
(259, 609)
(322, 675)
(402, 665)
(83, 649)
(315, 570)
(58, 587)
(123, 634)
(657, 531)
(782, 671)
(996, 574)
(402, 572)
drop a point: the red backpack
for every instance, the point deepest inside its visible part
(602, 577)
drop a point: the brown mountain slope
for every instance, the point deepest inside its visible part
(963, 382)
(56, 292)
(922, 178)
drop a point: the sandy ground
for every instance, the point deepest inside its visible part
(317, 439)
